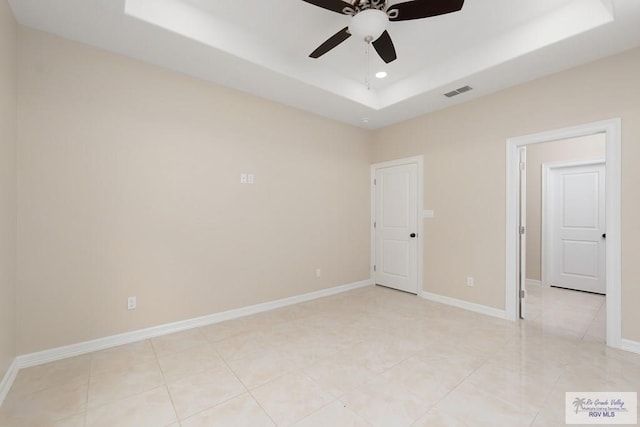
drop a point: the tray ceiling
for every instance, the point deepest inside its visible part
(262, 47)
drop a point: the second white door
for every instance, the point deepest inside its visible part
(396, 227)
(576, 228)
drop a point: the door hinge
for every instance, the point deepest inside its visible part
(374, 224)
(522, 293)
(374, 268)
(523, 166)
(522, 230)
(374, 181)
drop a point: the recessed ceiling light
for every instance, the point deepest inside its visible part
(365, 120)
(381, 74)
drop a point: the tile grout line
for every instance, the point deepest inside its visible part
(452, 389)
(486, 362)
(261, 407)
(86, 405)
(111, 402)
(164, 381)
(244, 385)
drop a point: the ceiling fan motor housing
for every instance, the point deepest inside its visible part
(369, 4)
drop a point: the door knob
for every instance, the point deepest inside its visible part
(604, 235)
(412, 235)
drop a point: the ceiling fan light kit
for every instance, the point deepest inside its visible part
(370, 19)
(368, 25)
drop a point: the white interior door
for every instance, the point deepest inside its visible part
(576, 222)
(396, 227)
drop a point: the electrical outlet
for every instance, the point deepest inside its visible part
(469, 281)
(318, 273)
(131, 303)
(251, 179)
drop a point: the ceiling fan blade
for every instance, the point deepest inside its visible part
(332, 42)
(333, 5)
(422, 9)
(384, 46)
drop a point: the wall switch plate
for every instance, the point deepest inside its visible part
(318, 273)
(131, 303)
(470, 281)
(243, 178)
(251, 178)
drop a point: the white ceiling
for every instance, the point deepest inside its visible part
(262, 47)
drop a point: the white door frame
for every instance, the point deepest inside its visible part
(612, 130)
(522, 242)
(419, 161)
(545, 260)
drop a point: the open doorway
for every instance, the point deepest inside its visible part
(565, 254)
(516, 283)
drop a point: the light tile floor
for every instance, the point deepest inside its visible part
(369, 357)
(565, 312)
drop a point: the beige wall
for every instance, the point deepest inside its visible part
(591, 147)
(8, 96)
(128, 182)
(8, 92)
(464, 180)
(128, 178)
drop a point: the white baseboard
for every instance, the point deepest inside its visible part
(58, 353)
(471, 306)
(533, 282)
(7, 381)
(628, 345)
(54, 354)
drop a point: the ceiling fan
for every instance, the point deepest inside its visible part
(369, 19)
